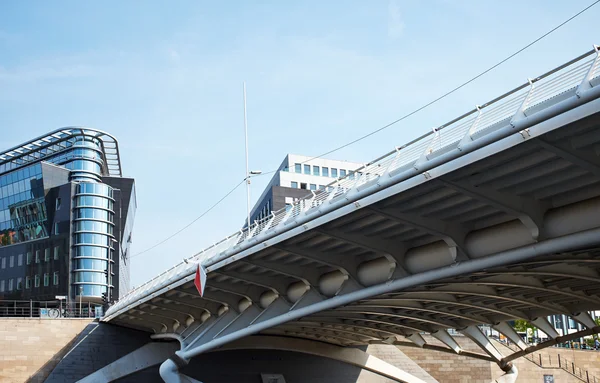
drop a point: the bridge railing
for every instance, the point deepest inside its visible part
(47, 309)
(525, 100)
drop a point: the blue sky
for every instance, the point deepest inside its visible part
(166, 79)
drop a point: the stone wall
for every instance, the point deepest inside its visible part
(451, 368)
(53, 351)
(31, 348)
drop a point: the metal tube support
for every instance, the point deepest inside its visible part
(582, 239)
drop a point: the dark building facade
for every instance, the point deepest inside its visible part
(66, 217)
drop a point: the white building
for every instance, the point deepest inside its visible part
(295, 178)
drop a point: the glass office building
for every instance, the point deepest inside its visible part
(66, 215)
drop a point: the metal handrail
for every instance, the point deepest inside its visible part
(410, 155)
(561, 362)
(53, 309)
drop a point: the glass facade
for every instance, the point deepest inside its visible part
(93, 237)
(23, 215)
(83, 158)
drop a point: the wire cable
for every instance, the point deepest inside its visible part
(449, 92)
(194, 221)
(385, 126)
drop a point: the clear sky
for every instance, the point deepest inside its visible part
(166, 79)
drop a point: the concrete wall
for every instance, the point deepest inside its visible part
(30, 348)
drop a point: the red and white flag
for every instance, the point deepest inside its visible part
(200, 280)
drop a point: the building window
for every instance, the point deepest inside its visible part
(11, 262)
(20, 260)
(316, 171)
(572, 324)
(342, 173)
(298, 168)
(37, 256)
(294, 185)
(321, 187)
(2, 286)
(313, 187)
(46, 279)
(46, 255)
(10, 284)
(325, 171)
(56, 252)
(4, 263)
(27, 282)
(334, 172)
(29, 257)
(55, 278)
(19, 283)
(58, 203)
(303, 186)
(36, 281)
(55, 228)
(307, 169)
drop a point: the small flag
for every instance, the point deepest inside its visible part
(200, 280)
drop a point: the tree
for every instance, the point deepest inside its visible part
(521, 325)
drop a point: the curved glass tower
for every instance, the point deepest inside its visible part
(93, 238)
(79, 246)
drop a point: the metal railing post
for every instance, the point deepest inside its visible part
(520, 113)
(559, 366)
(30, 308)
(585, 83)
(540, 355)
(424, 156)
(468, 136)
(392, 162)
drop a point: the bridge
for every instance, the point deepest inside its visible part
(491, 217)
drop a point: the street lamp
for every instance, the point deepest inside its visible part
(248, 172)
(80, 295)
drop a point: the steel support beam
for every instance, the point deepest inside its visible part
(528, 211)
(453, 234)
(393, 251)
(579, 158)
(347, 265)
(306, 274)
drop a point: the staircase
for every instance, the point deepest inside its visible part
(546, 361)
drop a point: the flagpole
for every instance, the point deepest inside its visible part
(247, 170)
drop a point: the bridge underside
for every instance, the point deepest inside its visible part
(536, 192)
(507, 231)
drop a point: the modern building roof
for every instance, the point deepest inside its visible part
(57, 141)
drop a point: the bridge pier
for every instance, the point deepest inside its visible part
(169, 371)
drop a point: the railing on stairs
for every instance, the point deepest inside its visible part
(557, 362)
